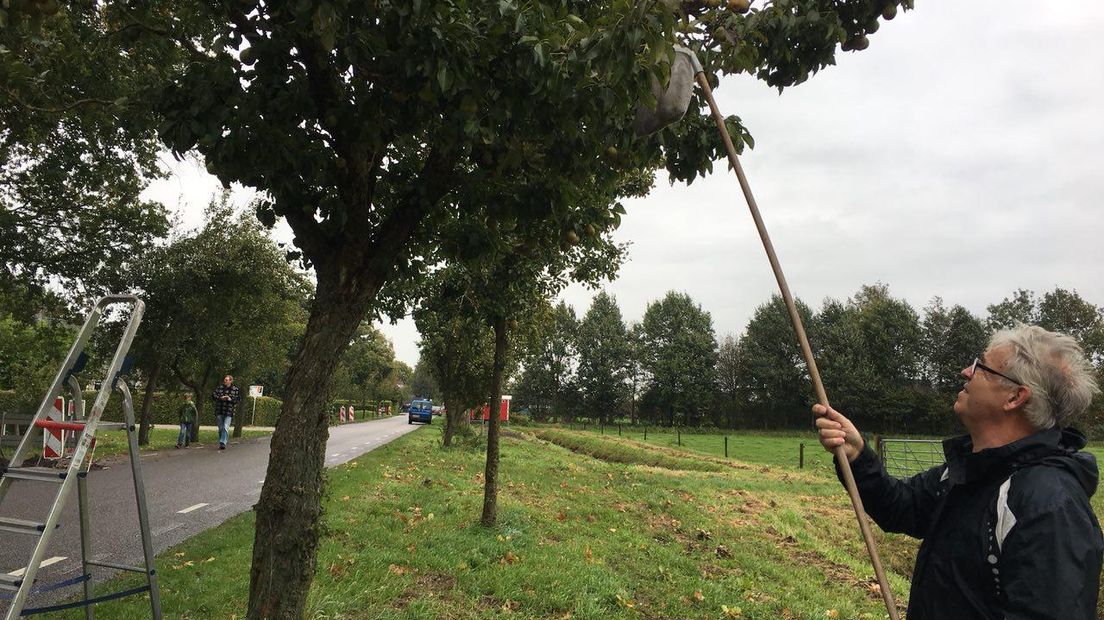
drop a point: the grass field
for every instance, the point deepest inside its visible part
(590, 527)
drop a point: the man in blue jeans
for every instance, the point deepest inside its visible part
(226, 397)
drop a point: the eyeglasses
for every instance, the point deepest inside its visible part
(977, 364)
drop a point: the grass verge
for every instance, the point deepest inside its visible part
(578, 537)
(114, 443)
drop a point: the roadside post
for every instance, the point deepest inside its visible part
(255, 392)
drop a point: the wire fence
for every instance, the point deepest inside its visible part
(901, 457)
(770, 448)
(907, 457)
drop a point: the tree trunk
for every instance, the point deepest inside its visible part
(289, 511)
(490, 475)
(147, 404)
(632, 404)
(453, 413)
(202, 393)
(350, 274)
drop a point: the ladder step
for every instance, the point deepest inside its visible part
(10, 582)
(43, 474)
(20, 526)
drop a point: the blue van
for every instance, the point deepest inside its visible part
(421, 410)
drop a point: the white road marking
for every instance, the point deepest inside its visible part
(190, 508)
(44, 564)
(218, 506)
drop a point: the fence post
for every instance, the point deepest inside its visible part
(645, 433)
(726, 446)
(601, 428)
(618, 429)
(678, 433)
(801, 457)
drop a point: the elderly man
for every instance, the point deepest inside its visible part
(1006, 524)
(226, 397)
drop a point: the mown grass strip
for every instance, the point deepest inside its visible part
(624, 451)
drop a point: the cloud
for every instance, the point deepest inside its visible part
(956, 157)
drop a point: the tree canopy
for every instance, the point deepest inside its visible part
(220, 300)
(603, 359)
(547, 385)
(77, 146)
(679, 353)
(367, 370)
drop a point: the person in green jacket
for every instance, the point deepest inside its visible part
(187, 417)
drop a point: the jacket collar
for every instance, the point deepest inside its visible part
(965, 466)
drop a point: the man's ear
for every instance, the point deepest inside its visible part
(1018, 399)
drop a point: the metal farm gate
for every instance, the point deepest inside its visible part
(907, 457)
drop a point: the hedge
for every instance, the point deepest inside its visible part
(163, 411)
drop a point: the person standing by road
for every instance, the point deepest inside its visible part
(186, 417)
(226, 397)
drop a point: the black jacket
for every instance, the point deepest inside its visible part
(226, 407)
(1008, 532)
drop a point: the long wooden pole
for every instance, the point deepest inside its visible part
(806, 350)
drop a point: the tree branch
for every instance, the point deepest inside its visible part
(58, 110)
(326, 90)
(308, 234)
(138, 24)
(434, 182)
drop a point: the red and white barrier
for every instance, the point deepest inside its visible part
(53, 440)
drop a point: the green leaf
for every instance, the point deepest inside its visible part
(444, 79)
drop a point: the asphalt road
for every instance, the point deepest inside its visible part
(188, 491)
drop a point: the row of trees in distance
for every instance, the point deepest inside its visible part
(890, 367)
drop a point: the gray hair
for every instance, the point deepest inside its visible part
(1056, 370)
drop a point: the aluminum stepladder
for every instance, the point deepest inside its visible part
(75, 474)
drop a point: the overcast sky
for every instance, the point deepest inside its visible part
(961, 155)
